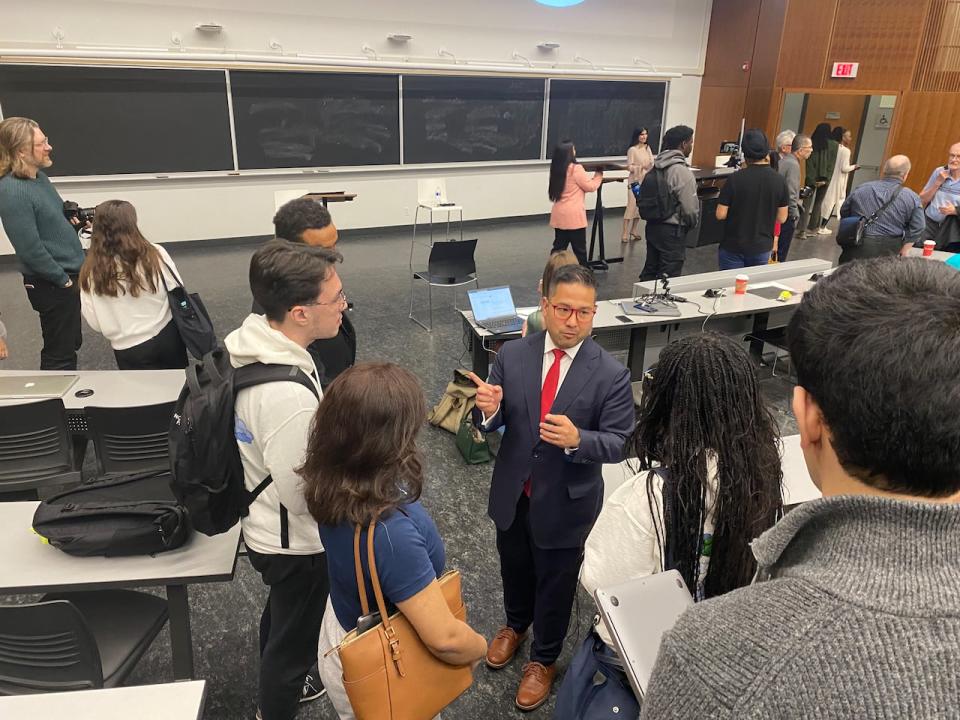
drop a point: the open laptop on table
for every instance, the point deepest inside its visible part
(493, 310)
(638, 613)
(18, 387)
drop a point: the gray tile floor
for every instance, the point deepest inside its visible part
(225, 616)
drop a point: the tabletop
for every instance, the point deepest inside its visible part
(168, 701)
(113, 388)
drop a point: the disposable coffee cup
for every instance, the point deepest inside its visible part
(741, 286)
(928, 246)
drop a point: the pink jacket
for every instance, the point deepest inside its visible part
(568, 212)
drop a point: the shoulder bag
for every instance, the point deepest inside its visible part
(388, 673)
(851, 229)
(190, 316)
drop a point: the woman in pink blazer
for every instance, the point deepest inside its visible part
(569, 183)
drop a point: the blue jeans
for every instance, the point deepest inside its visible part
(731, 261)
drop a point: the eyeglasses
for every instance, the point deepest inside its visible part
(340, 299)
(42, 143)
(563, 312)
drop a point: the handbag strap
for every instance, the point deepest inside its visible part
(361, 585)
(172, 274)
(883, 207)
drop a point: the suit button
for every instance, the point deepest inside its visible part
(536, 456)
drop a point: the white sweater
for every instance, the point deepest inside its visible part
(623, 543)
(272, 426)
(127, 321)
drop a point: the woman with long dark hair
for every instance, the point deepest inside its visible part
(639, 163)
(122, 293)
(362, 463)
(820, 167)
(569, 183)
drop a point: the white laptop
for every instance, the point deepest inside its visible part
(638, 613)
(35, 386)
(493, 310)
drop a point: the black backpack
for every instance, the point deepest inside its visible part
(126, 515)
(655, 202)
(205, 460)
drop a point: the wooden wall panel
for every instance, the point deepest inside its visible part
(806, 42)
(938, 63)
(718, 119)
(757, 110)
(733, 26)
(924, 128)
(883, 36)
(766, 51)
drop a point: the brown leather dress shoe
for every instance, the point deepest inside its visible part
(503, 647)
(535, 685)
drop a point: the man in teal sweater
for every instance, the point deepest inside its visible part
(48, 249)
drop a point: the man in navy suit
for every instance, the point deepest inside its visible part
(568, 408)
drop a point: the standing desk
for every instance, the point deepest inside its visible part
(167, 701)
(31, 566)
(331, 196)
(602, 262)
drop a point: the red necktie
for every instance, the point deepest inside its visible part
(547, 395)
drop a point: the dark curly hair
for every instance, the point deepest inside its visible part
(362, 456)
(298, 215)
(702, 398)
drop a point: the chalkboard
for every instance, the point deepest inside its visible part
(107, 121)
(462, 119)
(286, 120)
(599, 115)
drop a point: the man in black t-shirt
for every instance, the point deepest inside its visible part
(751, 203)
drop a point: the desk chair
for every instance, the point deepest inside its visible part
(431, 192)
(35, 448)
(76, 641)
(777, 337)
(451, 264)
(131, 439)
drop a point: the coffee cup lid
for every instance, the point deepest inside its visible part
(743, 277)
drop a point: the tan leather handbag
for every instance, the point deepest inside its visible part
(388, 673)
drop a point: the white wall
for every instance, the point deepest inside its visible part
(671, 35)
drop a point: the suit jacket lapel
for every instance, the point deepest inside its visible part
(532, 372)
(577, 376)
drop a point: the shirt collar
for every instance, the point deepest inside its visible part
(549, 347)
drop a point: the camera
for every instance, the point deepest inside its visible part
(73, 210)
(806, 191)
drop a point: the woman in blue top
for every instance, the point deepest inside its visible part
(361, 458)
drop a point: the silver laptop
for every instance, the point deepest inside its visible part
(493, 309)
(638, 613)
(35, 386)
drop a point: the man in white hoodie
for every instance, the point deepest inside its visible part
(302, 297)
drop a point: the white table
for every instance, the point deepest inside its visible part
(726, 278)
(937, 254)
(30, 566)
(797, 485)
(170, 701)
(112, 388)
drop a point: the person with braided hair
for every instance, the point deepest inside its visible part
(708, 482)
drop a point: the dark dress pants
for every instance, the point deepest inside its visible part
(59, 310)
(666, 251)
(164, 351)
(289, 627)
(539, 585)
(786, 237)
(576, 239)
(815, 221)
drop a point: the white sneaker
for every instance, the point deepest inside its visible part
(824, 231)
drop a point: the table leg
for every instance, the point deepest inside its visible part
(181, 641)
(635, 352)
(760, 321)
(481, 361)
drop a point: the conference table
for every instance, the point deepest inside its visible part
(732, 314)
(166, 701)
(797, 486)
(32, 566)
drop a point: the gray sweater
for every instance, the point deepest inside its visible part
(790, 169)
(858, 617)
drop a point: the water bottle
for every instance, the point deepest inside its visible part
(436, 197)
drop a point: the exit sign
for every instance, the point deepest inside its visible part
(845, 70)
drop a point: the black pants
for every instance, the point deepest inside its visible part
(289, 627)
(59, 310)
(873, 247)
(577, 239)
(786, 237)
(538, 585)
(164, 351)
(666, 251)
(816, 221)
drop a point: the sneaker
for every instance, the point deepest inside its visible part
(312, 687)
(824, 231)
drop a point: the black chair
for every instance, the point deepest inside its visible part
(777, 337)
(35, 448)
(76, 641)
(131, 439)
(451, 264)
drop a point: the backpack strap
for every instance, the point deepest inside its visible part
(260, 373)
